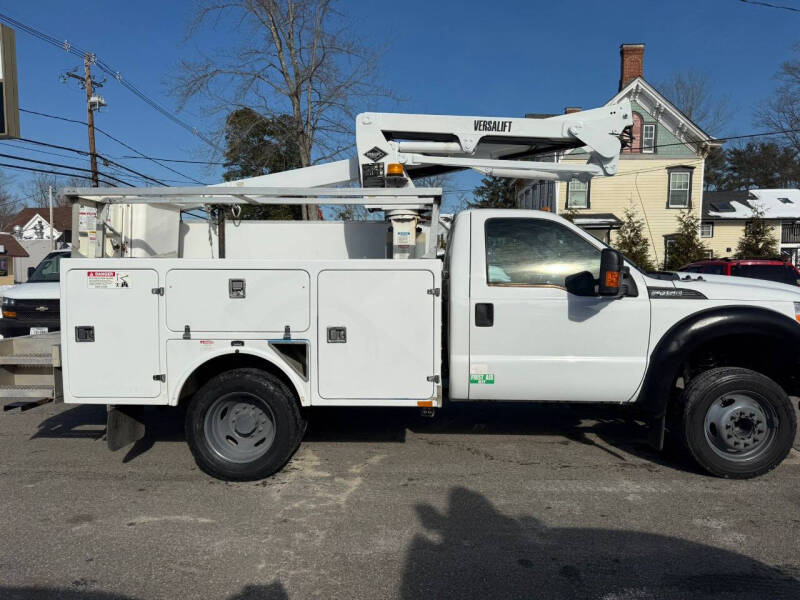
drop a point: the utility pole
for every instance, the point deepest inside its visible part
(93, 103)
(50, 194)
(89, 89)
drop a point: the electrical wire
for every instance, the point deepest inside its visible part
(34, 170)
(117, 140)
(59, 165)
(770, 5)
(109, 70)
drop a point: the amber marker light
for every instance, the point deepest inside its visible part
(612, 279)
(394, 169)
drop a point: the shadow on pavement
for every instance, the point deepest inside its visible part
(82, 421)
(611, 424)
(273, 591)
(471, 550)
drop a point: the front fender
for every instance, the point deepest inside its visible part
(678, 343)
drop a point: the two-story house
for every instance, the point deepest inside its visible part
(660, 173)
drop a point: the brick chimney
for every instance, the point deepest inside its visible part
(631, 63)
(572, 109)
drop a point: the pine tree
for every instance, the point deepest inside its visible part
(686, 246)
(757, 241)
(632, 242)
(494, 192)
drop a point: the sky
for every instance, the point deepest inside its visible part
(504, 58)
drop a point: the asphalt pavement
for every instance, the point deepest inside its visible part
(484, 502)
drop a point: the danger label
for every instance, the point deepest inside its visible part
(103, 280)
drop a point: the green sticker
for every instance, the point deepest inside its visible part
(487, 378)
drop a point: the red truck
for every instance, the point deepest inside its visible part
(756, 268)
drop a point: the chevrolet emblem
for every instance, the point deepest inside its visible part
(41, 308)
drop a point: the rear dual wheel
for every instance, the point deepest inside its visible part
(736, 423)
(243, 425)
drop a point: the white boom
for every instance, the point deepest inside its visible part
(500, 146)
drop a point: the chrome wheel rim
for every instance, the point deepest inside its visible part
(240, 427)
(740, 426)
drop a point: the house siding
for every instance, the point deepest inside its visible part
(642, 183)
(727, 235)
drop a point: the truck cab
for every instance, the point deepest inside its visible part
(517, 333)
(33, 307)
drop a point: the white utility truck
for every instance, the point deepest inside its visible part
(250, 324)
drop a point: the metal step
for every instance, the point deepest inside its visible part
(27, 359)
(12, 392)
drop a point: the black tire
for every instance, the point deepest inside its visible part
(736, 423)
(241, 451)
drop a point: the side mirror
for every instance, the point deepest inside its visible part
(581, 284)
(611, 264)
(30, 271)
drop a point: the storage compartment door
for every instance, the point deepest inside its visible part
(266, 301)
(114, 314)
(376, 337)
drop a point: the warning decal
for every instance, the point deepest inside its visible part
(103, 280)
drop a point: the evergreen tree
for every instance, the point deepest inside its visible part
(494, 192)
(632, 242)
(258, 145)
(686, 246)
(758, 240)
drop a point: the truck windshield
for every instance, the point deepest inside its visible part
(48, 268)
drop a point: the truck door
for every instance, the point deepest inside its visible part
(110, 329)
(532, 340)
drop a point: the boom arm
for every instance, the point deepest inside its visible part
(503, 147)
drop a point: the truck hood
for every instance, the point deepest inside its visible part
(724, 287)
(43, 290)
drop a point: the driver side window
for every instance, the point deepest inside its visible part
(535, 252)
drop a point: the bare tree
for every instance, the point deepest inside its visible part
(37, 189)
(692, 93)
(9, 205)
(295, 58)
(782, 111)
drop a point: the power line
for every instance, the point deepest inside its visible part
(770, 5)
(85, 153)
(59, 165)
(35, 170)
(111, 137)
(180, 160)
(109, 70)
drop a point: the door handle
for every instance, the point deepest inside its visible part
(484, 314)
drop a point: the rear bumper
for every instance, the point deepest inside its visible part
(17, 327)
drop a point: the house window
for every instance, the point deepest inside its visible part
(706, 229)
(3, 266)
(649, 138)
(679, 189)
(577, 194)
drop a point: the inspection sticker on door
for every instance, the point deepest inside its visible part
(478, 374)
(104, 280)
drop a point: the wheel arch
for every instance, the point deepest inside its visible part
(709, 328)
(202, 370)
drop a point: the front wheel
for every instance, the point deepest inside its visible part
(243, 425)
(736, 422)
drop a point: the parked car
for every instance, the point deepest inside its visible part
(757, 268)
(33, 307)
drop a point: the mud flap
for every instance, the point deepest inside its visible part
(124, 426)
(655, 436)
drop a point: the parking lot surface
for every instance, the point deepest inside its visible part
(482, 502)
